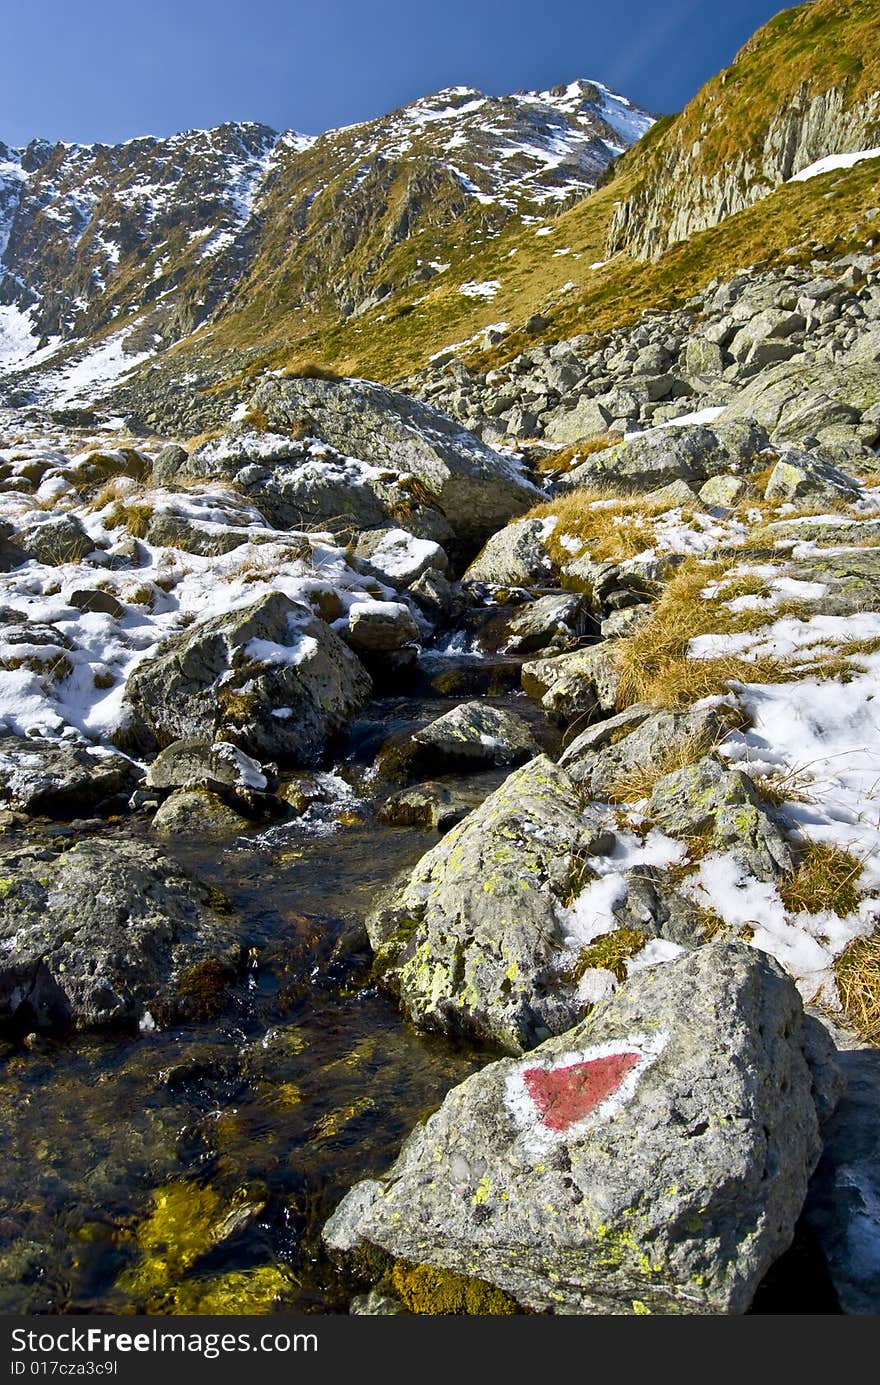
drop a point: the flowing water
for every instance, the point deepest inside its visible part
(192, 1169)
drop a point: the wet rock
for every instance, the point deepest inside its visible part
(439, 599)
(653, 1159)
(428, 806)
(104, 933)
(375, 1305)
(707, 799)
(472, 736)
(515, 556)
(556, 621)
(471, 940)
(271, 678)
(196, 813)
(844, 1195)
(378, 627)
(59, 780)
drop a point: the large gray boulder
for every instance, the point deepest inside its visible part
(575, 684)
(471, 941)
(271, 678)
(687, 452)
(654, 1159)
(516, 556)
(300, 483)
(795, 401)
(107, 931)
(475, 487)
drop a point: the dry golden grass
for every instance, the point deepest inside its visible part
(611, 527)
(858, 982)
(654, 664)
(560, 463)
(826, 879)
(610, 951)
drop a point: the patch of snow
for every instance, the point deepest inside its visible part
(832, 162)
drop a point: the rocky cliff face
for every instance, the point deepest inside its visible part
(772, 113)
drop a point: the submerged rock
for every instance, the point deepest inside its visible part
(271, 678)
(654, 1159)
(471, 940)
(106, 932)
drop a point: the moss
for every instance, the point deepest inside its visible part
(611, 952)
(426, 1289)
(205, 987)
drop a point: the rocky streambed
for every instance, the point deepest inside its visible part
(428, 886)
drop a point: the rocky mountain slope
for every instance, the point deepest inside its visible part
(155, 237)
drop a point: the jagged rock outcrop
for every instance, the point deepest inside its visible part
(761, 121)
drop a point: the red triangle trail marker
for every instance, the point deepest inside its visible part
(566, 1095)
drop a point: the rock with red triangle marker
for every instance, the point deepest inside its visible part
(655, 1158)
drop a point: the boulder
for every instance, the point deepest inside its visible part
(58, 779)
(429, 806)
(54, 540)
(642, 739)
(585, 419)
(471, 940)
(723, 491)
(556, 622)
(794, 401)
(397, 557)
(690, 453)
(515, 556)
(105, 933)
(472, 736)
(654, 1159)
(377, 627)
(475, 487)
(197, 813)
(575, 684)
(809, 476)
(297, 483)
(205, 764)
(708, 800)
(271, 678)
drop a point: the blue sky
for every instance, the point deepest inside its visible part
(89, 70)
